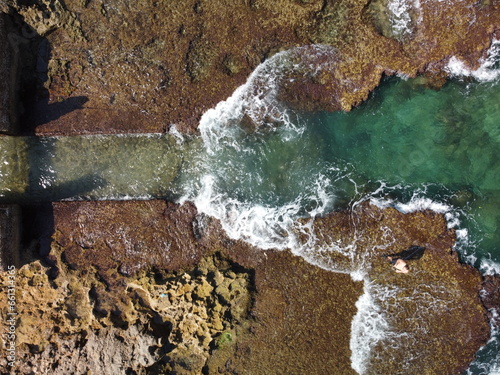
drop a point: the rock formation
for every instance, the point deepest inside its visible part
(225, 306)
(146, 66)
(162, 285)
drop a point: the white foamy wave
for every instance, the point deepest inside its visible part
(256, 100)
(495, 329)
(255, 224)
(179, 138)
(489, 267)
(495, 370)
(224, 131)
(452, 215)
(488, 71)
(491, 368)
(421, 204)
(400, 16)
(264, 226)
(368, 327)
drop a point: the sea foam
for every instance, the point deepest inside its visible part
(218, 192)
(489, 267)
(488, 71)
(257, 98)
(264, 225)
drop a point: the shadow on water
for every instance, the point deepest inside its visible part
(43, 183)
(31, 54)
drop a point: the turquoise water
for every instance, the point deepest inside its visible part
(437, 144)
(442, 144)
(408, 144)
(406, 141)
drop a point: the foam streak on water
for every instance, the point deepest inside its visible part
(257, 98)
(368, 327)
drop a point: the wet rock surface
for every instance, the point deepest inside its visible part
(490, 295)
(110, 237)
(231, 308)
(161, 284)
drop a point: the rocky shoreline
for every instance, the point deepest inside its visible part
(118, 69)
(214, 305)
(161, 284)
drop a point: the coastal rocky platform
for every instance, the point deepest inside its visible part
(99, 67)
(153, 287)
(135, 296)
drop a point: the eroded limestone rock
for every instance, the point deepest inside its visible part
(45, 16)
(169, 323)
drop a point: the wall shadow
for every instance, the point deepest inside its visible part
(44, 112)
(31, 54)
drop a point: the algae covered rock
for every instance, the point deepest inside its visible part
(200, 58)
(238, 308)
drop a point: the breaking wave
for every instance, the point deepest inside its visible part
(488, 71)
(253, 180)
(266, 176)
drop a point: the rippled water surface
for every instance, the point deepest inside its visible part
(438, 144)
(89, 167)
(408, 146)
